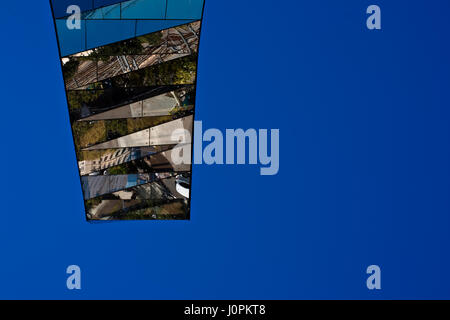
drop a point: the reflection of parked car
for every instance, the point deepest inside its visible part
(183, 186)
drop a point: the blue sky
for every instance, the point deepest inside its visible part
(364, 162)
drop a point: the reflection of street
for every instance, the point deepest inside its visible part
(105, 208)
(108, 207)
(171, 185)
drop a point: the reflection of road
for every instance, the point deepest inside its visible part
(170, 184)
(106, 208)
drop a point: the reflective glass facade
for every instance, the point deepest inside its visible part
(130, 72)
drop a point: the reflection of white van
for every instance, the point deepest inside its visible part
(183, 186)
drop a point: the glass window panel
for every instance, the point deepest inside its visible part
(121, 164)
(173, 72)
(184, 9)
(144, 9)
(111, 12)
(83, 104)
(100, 209)
(103, 32)
(60, 6)
(95, 14)
(148, 26)
(104, 3)
(79, 71)
(70, 41)
(95, 186)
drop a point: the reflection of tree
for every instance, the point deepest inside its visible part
(182, 111)
(80, 97)
(142, 45)
(133, 46)
(94, 154)
(91, 203)
(70, 68)
(152, 39)
(154, 210)
(118, 170)
(129, 167)
(86, 134)
(90, 133)
(115, 129)
(96, 101)
(177, 71)
(134, 125)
